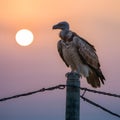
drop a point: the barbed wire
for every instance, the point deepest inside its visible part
(61, 86)
(99, 106)
(94, 91)
(100, 92)
(33, 92)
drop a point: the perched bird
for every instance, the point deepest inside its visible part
(79, 54)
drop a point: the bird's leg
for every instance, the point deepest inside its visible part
(78, 71)
(73, 70)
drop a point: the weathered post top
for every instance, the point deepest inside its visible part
(73, 96)
(72, 76)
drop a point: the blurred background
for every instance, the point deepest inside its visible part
(25, 69)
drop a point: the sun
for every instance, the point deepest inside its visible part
(24, 37)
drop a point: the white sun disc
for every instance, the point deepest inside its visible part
(24, 37)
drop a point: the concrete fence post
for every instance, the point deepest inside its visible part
(72, 96)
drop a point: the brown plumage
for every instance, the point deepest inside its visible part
(80, 55)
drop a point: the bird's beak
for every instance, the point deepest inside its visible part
(55, 27)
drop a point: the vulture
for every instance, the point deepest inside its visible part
(78, 54)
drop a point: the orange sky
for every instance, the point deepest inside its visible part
(44, 11)
(39, 64)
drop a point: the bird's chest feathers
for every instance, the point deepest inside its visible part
(68, 46)
(69, 51)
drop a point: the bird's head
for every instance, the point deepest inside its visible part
(61, 25)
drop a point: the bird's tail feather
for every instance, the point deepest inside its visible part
(100, 75)
(93, 80)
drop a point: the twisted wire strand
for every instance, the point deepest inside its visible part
(61, 86)
(99, 106)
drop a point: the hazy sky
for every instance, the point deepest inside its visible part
(23, 69)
